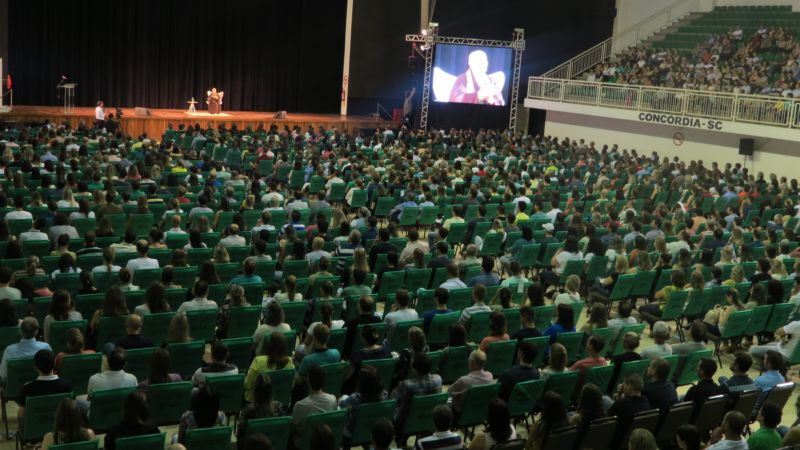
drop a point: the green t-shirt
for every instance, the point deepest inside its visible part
(765, 439)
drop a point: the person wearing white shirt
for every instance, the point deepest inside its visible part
(478, 296)
(453, 282)
(143, 261)
(401, 314)
(35, 233)
(553, 213)
(99, 113)
(113, 378)
(19, 212)
(233, 239)
(199, 301)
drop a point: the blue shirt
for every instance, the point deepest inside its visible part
(403, 206)
(765, 382)
(242, 279)
(427, 317)
(24, 349)
(317, 358)
(486, 279)
(555, 329)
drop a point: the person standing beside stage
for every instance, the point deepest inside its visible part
(99, 115)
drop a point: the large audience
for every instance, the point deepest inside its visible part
(733, 62)
(387, 268)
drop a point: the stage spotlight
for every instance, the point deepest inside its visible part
(425, 47)
(425, 32)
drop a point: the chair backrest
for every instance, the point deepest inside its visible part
(143, 442)
(560, 439)
(106, 407)
(500, 356)
(562, 384)
(231, 391)
(476, 404)
(780, 394)
(746, 402)
(420, 413)
(202, 323)
(213, 438)
(168, 401)
(156, 326)
(186, 357)
(138, 362)
(524, 396)
(365, 418)
(239, 352)
(58, 332)
(710, 413)
(41, 415)
(600, 433)
(644, 419)
(79, 368)
(277, 428)
(600, 376)
(454, 363)
(111, 330)
(20, 371)
(689, 373)
(438, 332)
(334, 377)
(85, 445)
(334, 419)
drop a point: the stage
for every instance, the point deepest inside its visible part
(155, 124)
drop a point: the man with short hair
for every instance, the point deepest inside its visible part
(476, 376)
(249, 275)
(629, 402)
(660, 349)
(382, 434)
(134, 338)
(487, 277)
(420, 382)
(113, 378)
(739, 382)
(442, 259)
(478, 296)
(407, 255)
(400, 312)
(382, 245)
(523, 371)
(772, 376)
(442, 438)
(89, 245)
(142, 261)
(317, 401)
(593, 358)
(728, 436)
(705, 387)
(320, 353)
(264, 223)
(19, 212)
(200, 300)
(440, 296)
(6, 291)
(233, 239)
(366, 316)
(357, 287)
(316, 253)
(528, 325)
(35, 233)
(175, 223)
(452, 282)
(46, 383)
(26, 348)
(767, 436)
(659, 390)
(219, 365)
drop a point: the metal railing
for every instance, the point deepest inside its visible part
(763, 110)
(632, 36)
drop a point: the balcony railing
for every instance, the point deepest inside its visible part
(763, 110)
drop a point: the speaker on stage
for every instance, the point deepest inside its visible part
(139, 111)
(279, 115)
(746, 146)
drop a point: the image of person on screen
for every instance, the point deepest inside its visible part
(476, 86)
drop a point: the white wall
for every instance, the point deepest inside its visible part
(770, 155)
(795, 3)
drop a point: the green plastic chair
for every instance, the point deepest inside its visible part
(543, 315)
(689, 373)
(79, 368)
(143, 442)
(254, 292)
(18, 226)
(239, 350)
(334, 377)
(86, 445)
(156, 326)
(106, 407)
(243, 321)
(185, 276)
(607, 334)
(298, 268)
(460, 299)
(138, 362)
(622, 288)
(410, 216)
(673, 309)
(278, 429)
(643, 284)
(453, 364)
(168, 401)
(419, 419)
(417, 279)
(337, 338)
(573, 343)
(637, 328)
(58, 331)
(112, 329)
(366, 417)
(144, 278)
(573, 267)
(38, 248)
(202, 323)
(524, 397)
(600, 376)
(632, 367)
(399, 340)
(438, 333)
(476, 405)
(70, 282)
(563, 384)
(295, 313)
(500, 356)
(542, 343)
(384, 368)
(737, 326)
(231, 391)
(391, 282)
(336, 420)
(478, 326)
(40, 415)
(781, 314)
(213, 438)
(185, 357)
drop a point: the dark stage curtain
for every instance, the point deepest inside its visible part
(266, 55)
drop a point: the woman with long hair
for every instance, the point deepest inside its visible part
(368, 390)
(598, 318)
(154, 301)
(135, 420)
(261, 405)
(203, 413)
(61, 308)
(274, 320)
(289, 292)
(590, 407)
(497, 330)
(208, 273)
(221, 255)
(499, 428)
(557, 362)
(113, 306)
(74, 345)
(275, 356)
(565, 322)
(178, 332)
(159, 370)
(68, 426)
(235, 299)
(108, 266)
(553, 417)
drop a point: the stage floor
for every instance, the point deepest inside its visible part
(155, 124)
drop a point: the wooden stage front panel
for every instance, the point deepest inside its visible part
(155, 124)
